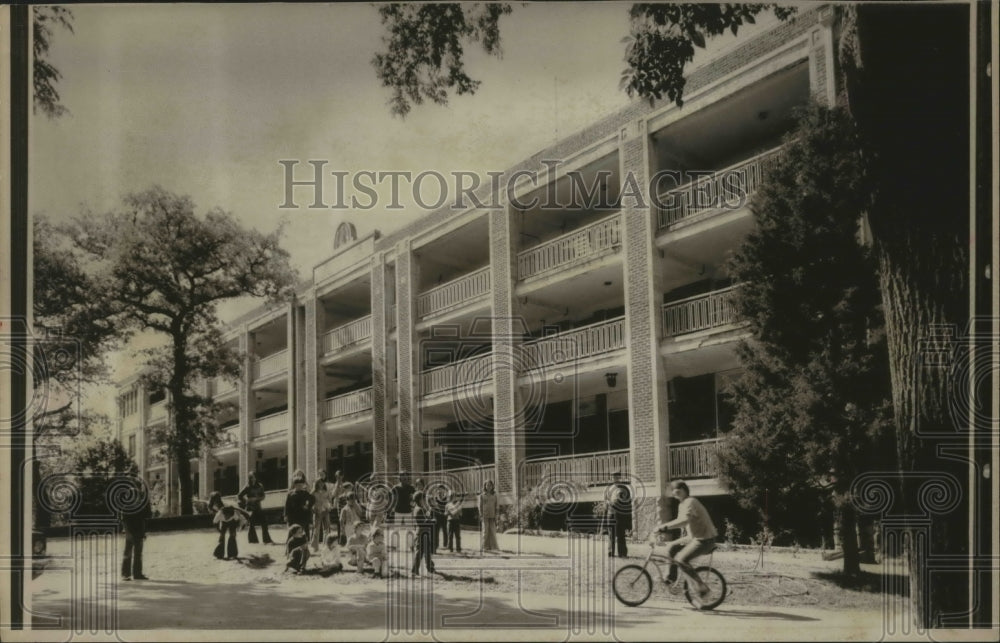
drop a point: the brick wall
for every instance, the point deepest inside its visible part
(407, 364)
(380, 407)
(310, 457)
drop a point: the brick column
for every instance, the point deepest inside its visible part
(648, 431)
(309, 358)
(203, 489)
(507, 333)
(407, 358)
(822, 77)
(246, 402)
(383, 442)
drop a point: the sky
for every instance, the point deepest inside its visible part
(204, 100)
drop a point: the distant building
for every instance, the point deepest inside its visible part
(528, 346)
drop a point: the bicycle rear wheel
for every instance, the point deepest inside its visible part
(716, 589)
(632, 585)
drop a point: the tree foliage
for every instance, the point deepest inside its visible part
(425, 45)
(95, 466)
(45, 75)
(813, 409)
(161, 267)
(663, 36)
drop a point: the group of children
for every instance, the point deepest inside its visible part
(307, 517)
(364, 550)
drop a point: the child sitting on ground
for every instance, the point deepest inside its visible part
(357, 544)
(297, 549)
(330, 557)
(377, 554)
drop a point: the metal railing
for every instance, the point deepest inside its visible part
(580, 468)
(467, 480)
(347, 335)
(695, 459)
(454, 293)
(578, 245)
(726, 188)
(273, 363)
(469, 371)
(578, 343)
(274, 423)
(347, 404)
(700, 312)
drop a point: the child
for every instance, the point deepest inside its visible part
(330, 557)
(454, 511)
(349, 515)
(298, 504)
(423, 547)
(228, 520)
(377, 554)
(297, 549)
(356, 544)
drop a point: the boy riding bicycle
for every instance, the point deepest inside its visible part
(699, 537)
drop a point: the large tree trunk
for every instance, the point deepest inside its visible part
(847, 522)
(184, 482)
(910, 97)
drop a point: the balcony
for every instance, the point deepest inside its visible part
(589, 242)
(700, 312)
(347, 404)
(695, 459)
(271, 424)
(588, 341)
(587, 469)
(347, 335)
(466, 372)
(221, 386)
(158, 411)
(728, 188)
(467, 480)
(270, 365)
(454, 293)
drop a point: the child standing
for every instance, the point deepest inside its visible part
(297, 549)
(454, 510)
(349, 515)
(377, 554)
(423, 546)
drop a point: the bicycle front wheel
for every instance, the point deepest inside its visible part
(716, 584)
(632, 585)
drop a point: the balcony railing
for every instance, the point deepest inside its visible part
(580, 469)
(274, 363)
(454, 293)
(221, 386)
(349, 334)
(694, 459)
(274, 423)
(347, 404)
(588, 341)
(467, 480)
(158, 410)
(464, 372)
(726, 188)
(699, 312)
(585, 243)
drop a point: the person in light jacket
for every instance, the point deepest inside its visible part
(488, 517)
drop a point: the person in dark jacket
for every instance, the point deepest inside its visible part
(618, 515)
(422, 545)
(133, 523)
(253, 495)
(299, 504)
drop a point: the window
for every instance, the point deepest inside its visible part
(131, 445)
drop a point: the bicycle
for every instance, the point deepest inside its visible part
(633, 584)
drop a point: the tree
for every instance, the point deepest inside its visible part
(423, 58)
(45, 75)
(95, 466)
(812, 412)
(160, 267)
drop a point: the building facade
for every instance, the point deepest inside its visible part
(581, 327)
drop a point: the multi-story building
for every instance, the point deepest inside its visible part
(522, 343)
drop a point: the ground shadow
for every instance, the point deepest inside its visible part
(867, 582)
(256, 561)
